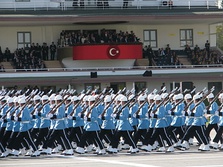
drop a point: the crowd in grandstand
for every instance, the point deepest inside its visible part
(161, 56)
(203, 56)
(32, 57)
(69, 38)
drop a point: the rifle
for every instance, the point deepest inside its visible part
(215, 98)
(203, 98)
(113, 99)
(9, 109)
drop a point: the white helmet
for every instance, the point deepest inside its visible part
(58, 97)
(164, 95)
(220, 96)
(52, 97)
(150, 97)
(123, 98)
(44, 97)
(187, 96)
(36, 97)
(196, 96)
(157, 97)
(107, 98)
(211, 95)
(22, 100)
(75, 98)
(91, 98)
(141, 98)
(179, 96)
(10, 100)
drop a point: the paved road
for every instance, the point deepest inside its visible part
(190, 158)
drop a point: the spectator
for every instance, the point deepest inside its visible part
(45, 49)
(150, 55)
(53, 49)
(1, 54)
(7, 54)
(207, 47)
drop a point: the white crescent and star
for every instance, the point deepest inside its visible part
(113, 52)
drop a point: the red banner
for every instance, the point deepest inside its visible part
(106, 51)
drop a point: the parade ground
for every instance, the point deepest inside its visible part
(190, 158)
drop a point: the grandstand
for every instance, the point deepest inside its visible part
(189, 22)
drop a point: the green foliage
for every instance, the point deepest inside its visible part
(219, 31)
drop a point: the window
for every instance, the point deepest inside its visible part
(23, 39)
(186, 37)
(140, 86)
(217, 86)
(150, 38)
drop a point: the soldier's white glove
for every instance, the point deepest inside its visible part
(113, 115)
(183, 112)
(151, 114)
(205, 111)
(16, 118)
(79, 114)
(169, 112)
(69, 117)
(134, 115)
(147, 115)
(216, 112)
(1, 120)
(50, 115)
(99, 116)
(189, 112)
(8, 116)
(85, 118)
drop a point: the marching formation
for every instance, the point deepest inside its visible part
(34, 123)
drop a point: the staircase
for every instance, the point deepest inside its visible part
(141, 62)
(7, 66)
(55, 64)
(184, 60)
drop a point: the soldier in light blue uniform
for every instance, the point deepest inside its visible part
(160, 127)
(9, 124)
(24, 118)
(35, 128)
(142, 116)
(132, 109)
(68, 110)
(218, 136)
(3, 109)
(168, 106)
(91, 129)
(176, 126)
(78, 123)
(45, 122)
(58, 133)
(196, 127)
(214, 119)
(123, 127)
(108, 126)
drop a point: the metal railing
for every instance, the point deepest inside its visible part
(107, 4)
(116, 68)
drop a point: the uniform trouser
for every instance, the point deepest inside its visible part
(140, 135)
(91, 136)
(174, 131)
(2, 131)
(192, 135)
(199, 131)
(209, 128)
(160, 134)
(6, 138)
(60, 136)
(50, 131)
(218, 136)
(127, 136)
(24, 136)
(76, 133)
(34, 133)
(41, 138)
(107, 135)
